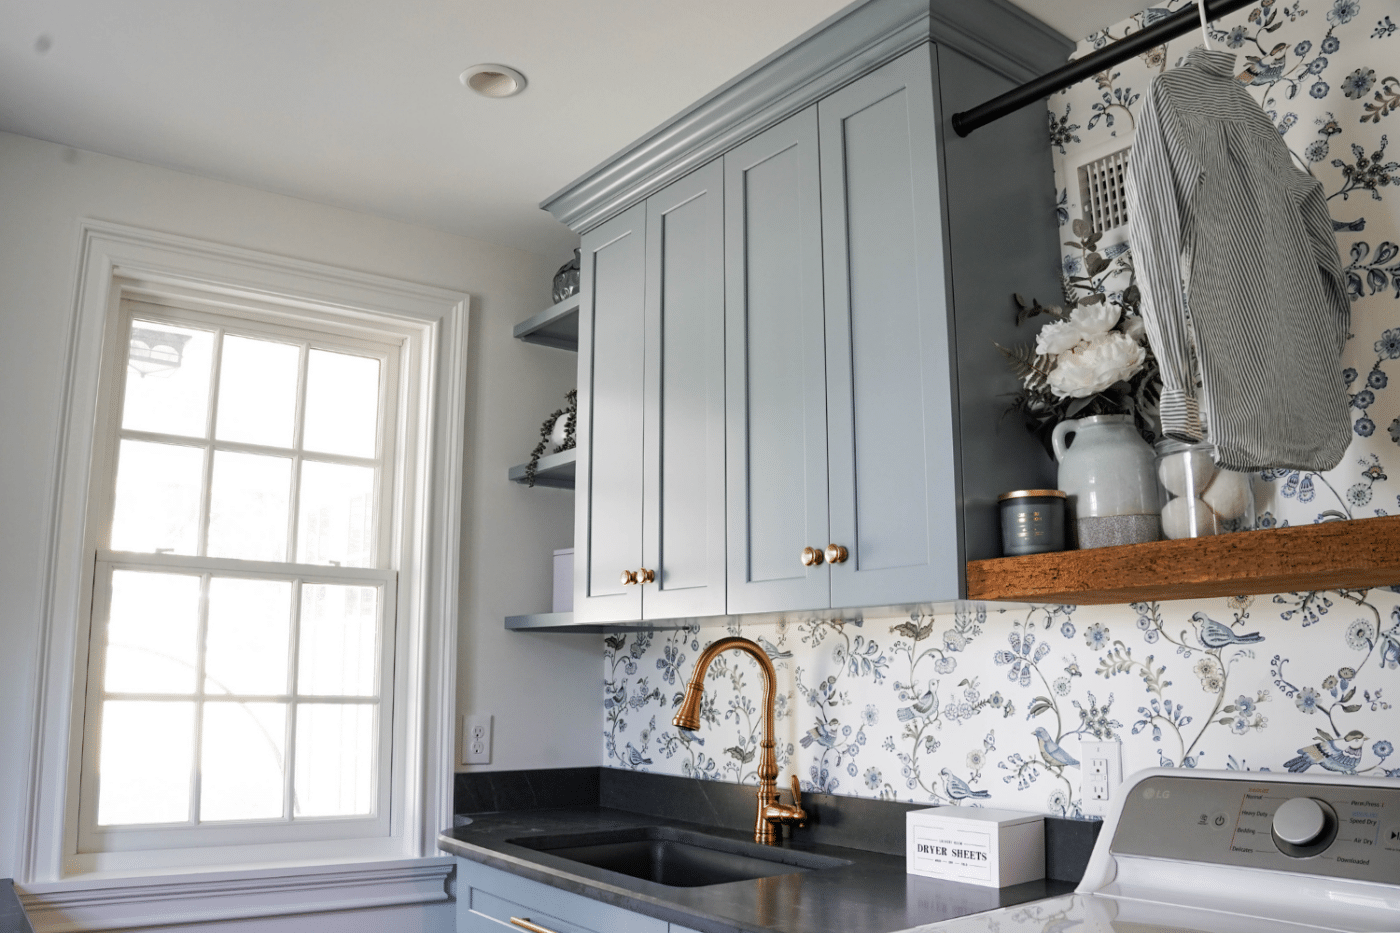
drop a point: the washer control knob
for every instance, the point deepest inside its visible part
(1300, 821)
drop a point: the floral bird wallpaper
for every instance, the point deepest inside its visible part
(989, 705)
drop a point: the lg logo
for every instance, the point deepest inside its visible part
(1150, 793)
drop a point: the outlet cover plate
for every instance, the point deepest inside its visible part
(476, 740)
(1101, 770)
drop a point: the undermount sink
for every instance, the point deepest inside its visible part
(676, 857)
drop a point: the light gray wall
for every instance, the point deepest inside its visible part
(542, 689)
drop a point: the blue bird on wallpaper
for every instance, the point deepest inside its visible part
(921, 707)
(1262, 72)
(1217, 635)
(956, 788)
(634, 757)
(689, 738)
(774, 652)
(823, 733)
(1327, 754)
(1050, 750)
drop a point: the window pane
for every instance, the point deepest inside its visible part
(144, 766)
(248, 505)
(241, 761)
(335, 760)
(336, 521)
(167, 379)
(157, 507)
(152, 633)
(247, 640)
(257, 391)
(342, 403)
(339, 629)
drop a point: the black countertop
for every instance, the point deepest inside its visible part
(873, 894)
(12, 918)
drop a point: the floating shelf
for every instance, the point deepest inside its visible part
(556, 326)
(555, 470)
(1348, 555)
(564, 622)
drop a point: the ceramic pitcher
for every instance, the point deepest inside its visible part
(1109, 474)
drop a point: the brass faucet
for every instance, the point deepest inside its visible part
(771, 811)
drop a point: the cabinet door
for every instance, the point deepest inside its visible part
(488, 898)
(683, 501)
(608, 487)
(890, 389)
(776, 369)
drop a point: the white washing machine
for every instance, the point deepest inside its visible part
(1229, 852)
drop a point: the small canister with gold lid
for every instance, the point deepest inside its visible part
(1032, 521)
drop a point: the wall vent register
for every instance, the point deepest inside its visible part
(1103, 193)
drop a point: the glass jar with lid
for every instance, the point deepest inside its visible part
(1202, 499)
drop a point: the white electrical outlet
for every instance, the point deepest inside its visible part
(476, 740)
(1101, 767)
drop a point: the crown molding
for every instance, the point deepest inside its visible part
(852, 43)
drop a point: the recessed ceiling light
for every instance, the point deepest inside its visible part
(493, 80)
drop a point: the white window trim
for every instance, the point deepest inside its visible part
(113, 257)
(395, 456)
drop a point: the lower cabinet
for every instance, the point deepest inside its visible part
(493, 901)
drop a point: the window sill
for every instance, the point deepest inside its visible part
(98, 902)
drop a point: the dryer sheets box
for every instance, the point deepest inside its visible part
(993, 848)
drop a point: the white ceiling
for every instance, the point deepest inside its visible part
(356, 103)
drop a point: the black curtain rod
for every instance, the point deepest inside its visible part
(1177, 24)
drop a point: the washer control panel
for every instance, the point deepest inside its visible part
(1317, 829)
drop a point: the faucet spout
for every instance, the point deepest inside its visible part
(770, 811)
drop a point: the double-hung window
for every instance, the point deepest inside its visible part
(240, 671)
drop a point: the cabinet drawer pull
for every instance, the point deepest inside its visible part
(836, 554)
(811, 557)
(527, 925)
(645, 576)
(629, 577)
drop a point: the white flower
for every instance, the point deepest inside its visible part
(1096, 365)
(1135, 328)
(1093, 320)
(1057, 337)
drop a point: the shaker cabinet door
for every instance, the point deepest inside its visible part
(776, 370)
(890, 390)
(683, 476)
(608, 487)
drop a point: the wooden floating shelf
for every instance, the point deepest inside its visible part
(556, 470)
(1342, 555)
(556, 326)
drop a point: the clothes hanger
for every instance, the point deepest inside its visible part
(1205, 26)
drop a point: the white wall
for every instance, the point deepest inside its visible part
(543, 689)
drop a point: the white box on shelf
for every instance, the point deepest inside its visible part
(992, 848)
(564, 580)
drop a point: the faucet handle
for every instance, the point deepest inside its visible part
(775, 811)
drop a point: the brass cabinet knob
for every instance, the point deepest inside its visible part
(646, 576)
(836, 554)
(811, 557)
(629, 577)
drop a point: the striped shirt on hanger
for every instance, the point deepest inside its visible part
(1235, 255)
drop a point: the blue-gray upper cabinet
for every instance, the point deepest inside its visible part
(608, 484)
(683, 476)
(891, 397)
(776, 370)
(649, 511)
(841, 398)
